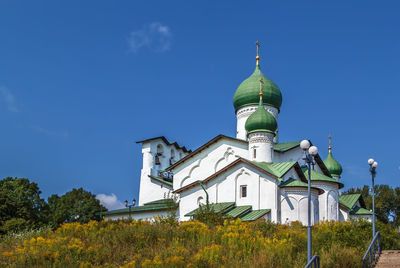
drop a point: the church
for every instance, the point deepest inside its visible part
(251, 176)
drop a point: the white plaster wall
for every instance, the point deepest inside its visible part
(328, 201)
(149, 216)
(151, 190)
(261, 191)
(343, 215)
(243, 113)
(294, 205)
(207, 162)
(263, 144)
(295, 154)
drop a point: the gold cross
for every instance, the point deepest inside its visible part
(258, 46)
(330, 147)
(261, 84)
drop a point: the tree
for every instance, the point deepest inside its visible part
(77, 205)
(20, 205)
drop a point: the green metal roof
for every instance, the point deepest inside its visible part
(349, 200)
(332, 165)
(360, 211)
(217, 207)
(298, 183)
(162, 204)
(261, 121)
(277, 169)
(316, 176)
(293, 183)
(237, 211)
(255, 214)
(159, 179)
(247, 92)
(283, 147)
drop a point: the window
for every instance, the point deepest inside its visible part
(254, 153)
(243, 190)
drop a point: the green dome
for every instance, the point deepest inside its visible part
(247, 92)
(261, 121)
(332, 165)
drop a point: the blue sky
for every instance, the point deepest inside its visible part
(81, 81)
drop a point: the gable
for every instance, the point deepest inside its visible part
(273, 170)
(208, 161)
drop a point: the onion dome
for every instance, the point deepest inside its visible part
(246, 93)
(261, 120)
(331, 164)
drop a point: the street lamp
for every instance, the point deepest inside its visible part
(129, 206)
(372, 166)
(310, 152)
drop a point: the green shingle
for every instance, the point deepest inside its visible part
(255, 214)
(277, 169)
(218, 207)
(316, 176)
(237, 211)
(360, 211)
(293, 183)
(283, 147)
(163, 204)
(349, 200)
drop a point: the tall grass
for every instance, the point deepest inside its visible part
(166, 243)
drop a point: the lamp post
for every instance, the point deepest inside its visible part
(129, 206)
(372, 168)
(309, 153)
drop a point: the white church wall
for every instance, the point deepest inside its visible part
(261, 191)
(328, 201)
(294, 205)
(207, 162)
(148, 216)
(243, 113)
(364, 217)
(151, 190)
(343, 214)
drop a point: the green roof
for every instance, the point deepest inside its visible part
(360, 211)
(349, 200)
(332, 165)
(293, 183)
(247, 92)
(162, 204)
(237, 211)
(316, 176)
(217, 207)
(298, 183)
(277, 169)
(283, 147)
(261, 121)
(159, 179)
(255, 214)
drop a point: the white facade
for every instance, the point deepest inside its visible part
(249, 170)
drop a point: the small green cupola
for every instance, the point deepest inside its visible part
(246, 93)
(261, 120)
(331, 164)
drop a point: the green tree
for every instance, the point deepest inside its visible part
(20, 205)
(77, 205)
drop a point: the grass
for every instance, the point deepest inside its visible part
(166, 243)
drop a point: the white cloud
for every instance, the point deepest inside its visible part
(155, 36)
(9, 99)
(52, 133)
(109, 201)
